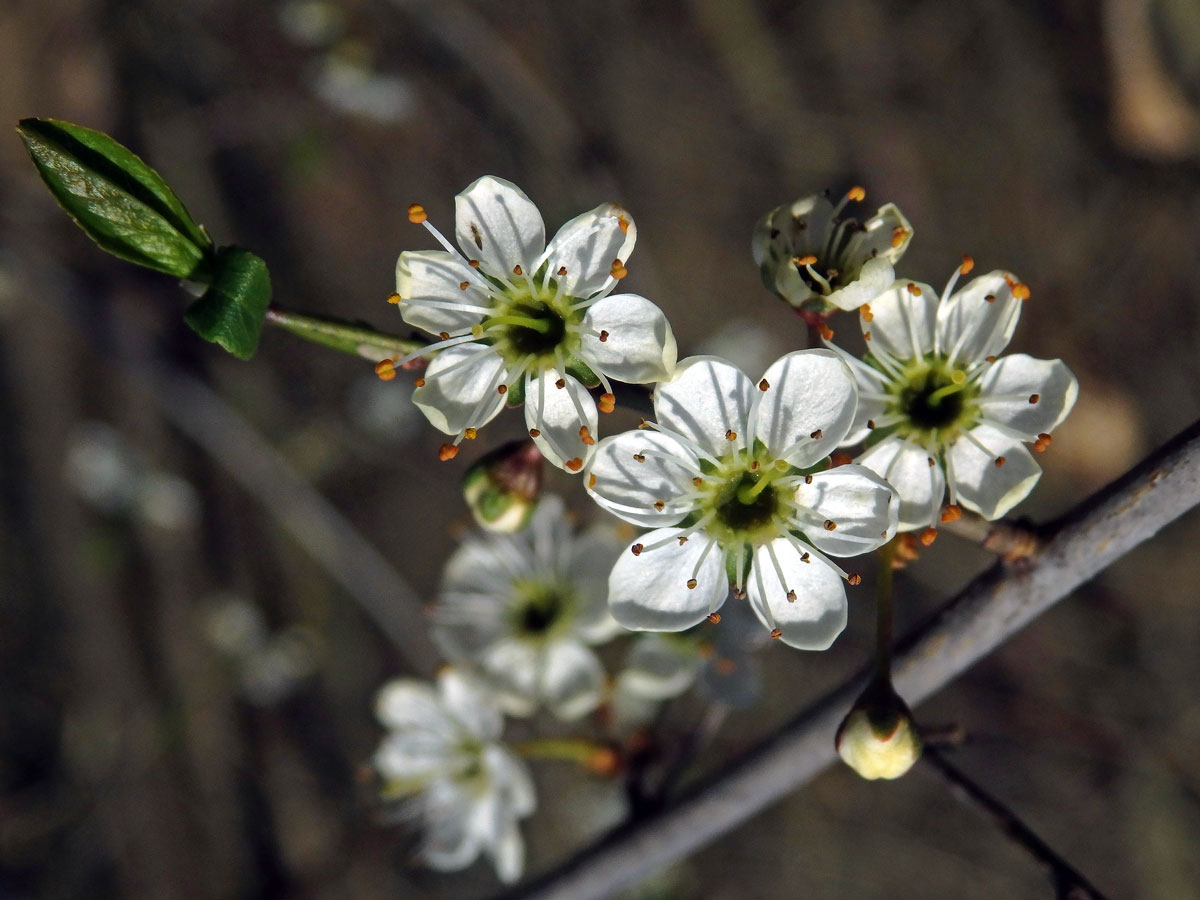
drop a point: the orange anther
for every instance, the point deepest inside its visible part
(1020, 291)
(1000, 461)
(585, 435)
(912, 288)
(618, 270)
(899, 233)
(473, 263)
(691, 583)
(447, 452)
(562, 270)
(841, 458)
(574, 465)
(502, 389)
(714, 618)
(591, 480)
(805, 260)
(1042, 443)
(817, 435)
(1034, 398)
(856, 193)
(416, 213)
(826, 331)
(463, 285)
(533, 432)
(517, 270)
(393, 298)
(561, 383)
(419, 382)
(928, 536)
(637, 549)
(470, 434)
(730, 435)
(865, 312)
(854, 579)
(764, 385)
(607, 403)
(830, 525)
(776, 633)
(967, 264)
(603, 336)
(386, 368)
(623, 224)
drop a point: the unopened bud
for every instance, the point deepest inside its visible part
(879, 738)
(502, 488)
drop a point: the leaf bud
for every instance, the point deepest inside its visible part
(502, 489)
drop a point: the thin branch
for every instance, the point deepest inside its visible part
(989, 611)
(1069, 882)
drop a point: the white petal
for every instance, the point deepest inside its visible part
(435, 275)
(640, 346)
(410, 757)
(592, 556)
(511, 781)
(970, 327)
(902, 324)
(660, 667)
(465, 397)
(979, 484)
(878, 237)
(508, 853)
(915, 475)
(408, 704)
(1012, 380)
(649, 592)
(498, 225)
(861, 504)
(629, 489)
(511, 667)
(469, 700)
(816, 616)
(450, 844)
(572, 679)
(873, 279)
(587, 246)
(554, 412)
(704, 399)
(808, 391)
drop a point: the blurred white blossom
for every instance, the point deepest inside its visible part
(443, 755)
(524, 609)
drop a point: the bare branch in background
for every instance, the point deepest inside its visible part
(991, 609)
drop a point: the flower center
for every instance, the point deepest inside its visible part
(539, 609)
(749, 503)
(936, 401)
(531, 328)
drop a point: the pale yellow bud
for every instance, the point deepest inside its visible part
(879, 738)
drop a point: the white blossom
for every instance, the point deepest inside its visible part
(523, 321)
(938, 409)
(729, 479)
(444, 757)
(524, 609)
(817, 259)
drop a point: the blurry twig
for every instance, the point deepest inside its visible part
(1069, 882)
(320, 529)
(991, 609)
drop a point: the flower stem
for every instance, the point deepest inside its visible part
(584, 751)
(358, 340)
(883, 612)
(1069, 882)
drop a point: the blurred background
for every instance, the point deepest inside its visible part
(207, 567)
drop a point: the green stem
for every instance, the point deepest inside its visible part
(883, 613)
(577, 750)
(357, 340)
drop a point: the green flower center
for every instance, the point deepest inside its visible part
(747, 506)
(935, 402)
(539, 609)
(532, 323)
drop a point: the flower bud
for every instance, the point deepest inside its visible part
(502, 488)
(879, 738)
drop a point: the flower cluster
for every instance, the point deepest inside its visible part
(734, 481)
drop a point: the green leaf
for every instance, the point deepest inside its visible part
(232, 311)
(122, 204)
